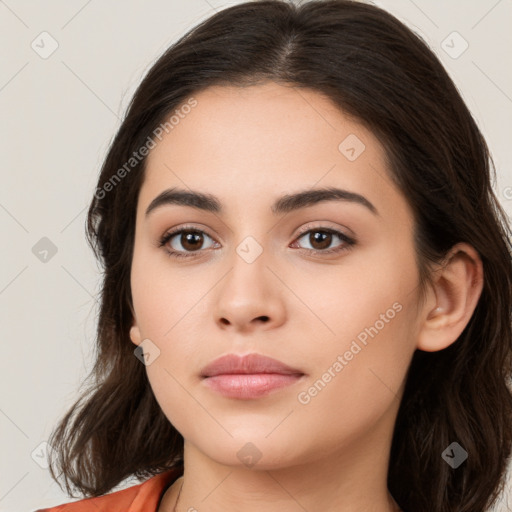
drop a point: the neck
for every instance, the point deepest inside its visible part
(351, 480)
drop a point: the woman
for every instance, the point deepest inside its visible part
(306, 298)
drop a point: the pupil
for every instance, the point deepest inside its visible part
(189, 240)
(322, 237)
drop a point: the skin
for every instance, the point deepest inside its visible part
(248, 147)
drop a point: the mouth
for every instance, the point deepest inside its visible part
(248, 377)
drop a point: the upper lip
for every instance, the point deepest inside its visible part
(248, 364)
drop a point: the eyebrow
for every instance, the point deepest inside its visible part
(284, 204)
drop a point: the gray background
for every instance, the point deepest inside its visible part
(59, 113)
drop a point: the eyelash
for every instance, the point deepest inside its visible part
(347, 241)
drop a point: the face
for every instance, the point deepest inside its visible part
(328, 286)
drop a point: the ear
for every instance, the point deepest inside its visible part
(135, 333)
(452, 299)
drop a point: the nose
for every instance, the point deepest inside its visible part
(250, 297)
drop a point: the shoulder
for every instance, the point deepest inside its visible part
(144, 496)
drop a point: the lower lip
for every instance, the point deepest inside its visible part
(247, 386)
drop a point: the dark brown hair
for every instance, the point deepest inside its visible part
(381, 73)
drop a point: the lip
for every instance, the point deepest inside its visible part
(248, 377)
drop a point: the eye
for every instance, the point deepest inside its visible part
(189, 241)
(321, 238)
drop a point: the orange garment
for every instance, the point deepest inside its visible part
(144, 497)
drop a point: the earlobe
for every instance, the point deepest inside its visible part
(134, 329)
(135, 334)
(457, 287)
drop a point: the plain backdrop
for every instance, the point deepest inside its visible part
(68, 70)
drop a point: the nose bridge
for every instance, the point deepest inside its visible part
(249, 291)
(248, 277)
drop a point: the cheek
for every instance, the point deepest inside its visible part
(358, 377)
(166, 303)
(366, 296)
(164, 295)
(369, 315)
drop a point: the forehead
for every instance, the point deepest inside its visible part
(271, 122)
(258, 142)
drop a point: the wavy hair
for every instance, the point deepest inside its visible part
(381, 73)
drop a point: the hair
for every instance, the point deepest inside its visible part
(379, 72)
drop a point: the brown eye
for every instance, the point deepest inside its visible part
(184, 242)
(320, 240)
(191, 240)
